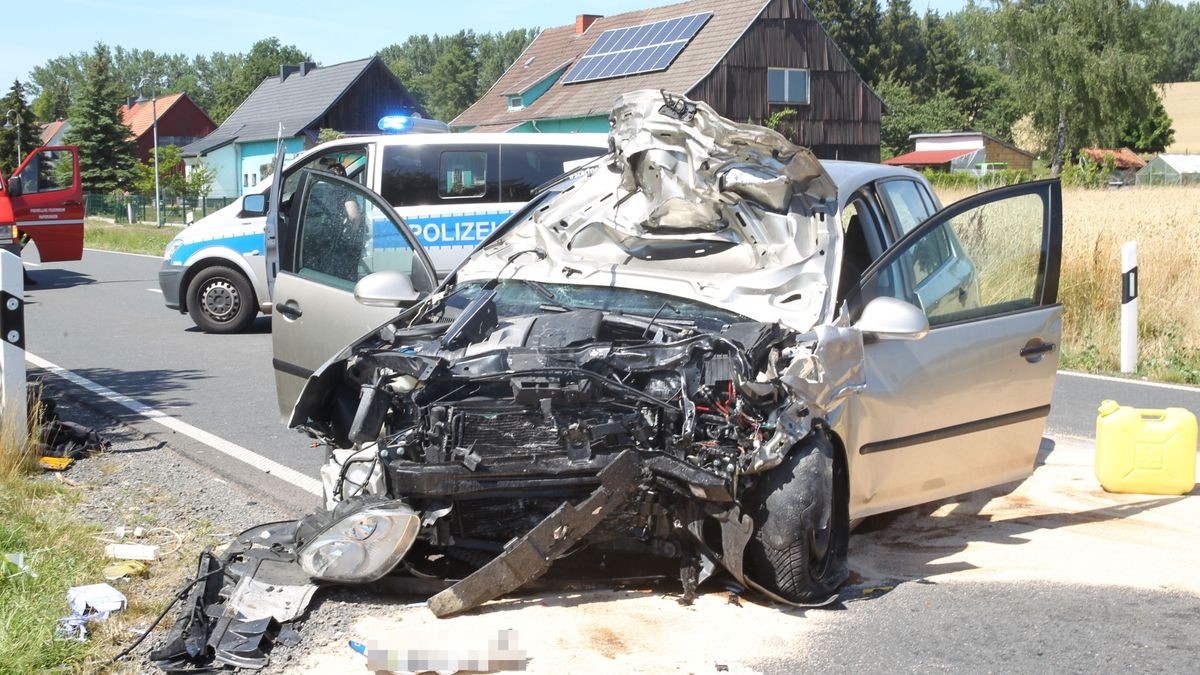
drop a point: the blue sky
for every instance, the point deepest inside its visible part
(331, 31)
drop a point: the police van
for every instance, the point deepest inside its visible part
(451, 190)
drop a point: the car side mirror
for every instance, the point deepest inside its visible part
(254, 205)
(15, 189)
(893, 319)
(387, 288)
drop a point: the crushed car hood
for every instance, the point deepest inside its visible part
(690, 204)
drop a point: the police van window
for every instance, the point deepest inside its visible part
(352, 158)
(409, 175)
(463, 174)
(416, 175)
(524, 167)
(908, 206)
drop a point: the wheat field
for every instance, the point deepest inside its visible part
(1165, 221)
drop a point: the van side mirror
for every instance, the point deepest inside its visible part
(387, 288)
(893, 319)
(15, 189)
(254, 205)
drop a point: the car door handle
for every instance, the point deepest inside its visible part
(72, 202)
(1033, 350)
(289, 310)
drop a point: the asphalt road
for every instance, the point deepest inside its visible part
(104, 319)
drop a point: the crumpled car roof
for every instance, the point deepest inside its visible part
(688, 203)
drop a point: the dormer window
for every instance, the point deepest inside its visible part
(515, 103)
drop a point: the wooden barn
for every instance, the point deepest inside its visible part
(748, 59)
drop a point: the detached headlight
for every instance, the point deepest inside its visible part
(172, 247)
(362, 545)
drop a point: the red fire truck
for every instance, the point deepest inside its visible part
(43, 201)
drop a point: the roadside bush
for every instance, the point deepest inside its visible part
(1087, 173)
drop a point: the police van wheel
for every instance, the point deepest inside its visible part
(220, 300)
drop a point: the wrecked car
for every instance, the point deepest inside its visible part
(707, 346)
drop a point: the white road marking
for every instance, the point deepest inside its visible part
(155, 290)
(1122, 380)
(306, 483)
(140, 255)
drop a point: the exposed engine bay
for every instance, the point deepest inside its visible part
(487, 426)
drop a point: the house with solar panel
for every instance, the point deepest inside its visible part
(350, 97)
(746, 58)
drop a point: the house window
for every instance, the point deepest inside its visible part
(516, 103)
(245, 180)
(787, 85)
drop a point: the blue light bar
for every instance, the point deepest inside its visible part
(395, 123)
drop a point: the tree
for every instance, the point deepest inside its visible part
(854, 27)
(170, 176)
(901, 54)
(52, 85)
(497, 51)
(106, 145)
(263, 61)
(907, 114)
(199, 181)
(1149, 130)
(218, 92)
(1174, 33)
(1079, 70)
(456, 75)
(446, 73)
(21, 119)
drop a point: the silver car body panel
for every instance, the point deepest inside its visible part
(956, 411)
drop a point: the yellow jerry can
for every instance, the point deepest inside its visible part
(1145, 451)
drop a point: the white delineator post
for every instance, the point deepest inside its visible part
(1129, 307)
(12, 348)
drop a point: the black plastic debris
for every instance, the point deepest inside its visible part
(57, 437)
(241, 603)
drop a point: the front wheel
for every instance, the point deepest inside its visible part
(801, 515)
(220, 300)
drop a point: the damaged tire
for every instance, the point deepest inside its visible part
(220, 300)
(801, 524)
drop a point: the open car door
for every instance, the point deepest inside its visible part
(335, 233)
(963, 407)
(46, 198)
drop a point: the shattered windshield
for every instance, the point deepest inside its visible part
(521, 298)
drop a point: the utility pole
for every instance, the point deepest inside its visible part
(158, 219)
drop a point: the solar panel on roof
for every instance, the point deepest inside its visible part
(645, 48)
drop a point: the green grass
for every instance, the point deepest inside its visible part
(145, 239)
(36, 519)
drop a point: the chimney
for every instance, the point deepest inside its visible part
(307, 67)
(584, 21)
(130, 101)
(284, 71)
